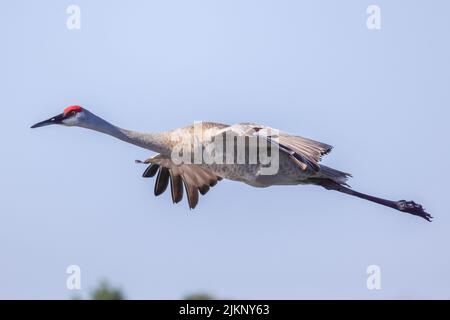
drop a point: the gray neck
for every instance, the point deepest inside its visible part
(150, 141)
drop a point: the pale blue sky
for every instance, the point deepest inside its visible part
(72, 196)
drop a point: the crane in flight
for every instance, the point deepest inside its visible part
(298, 158)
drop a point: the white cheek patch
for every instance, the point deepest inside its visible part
(72, 121)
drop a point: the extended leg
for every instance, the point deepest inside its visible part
(401, 205)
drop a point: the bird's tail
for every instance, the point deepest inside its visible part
(337, 176)
(402, 205)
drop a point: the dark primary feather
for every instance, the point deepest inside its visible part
(192, 194)
(151, 171)
(162, 180)
(194, 178)
(203, 189)
(176, 188)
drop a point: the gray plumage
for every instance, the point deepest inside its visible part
(298, 159)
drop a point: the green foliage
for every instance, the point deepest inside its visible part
(198, 296)
(105, 292)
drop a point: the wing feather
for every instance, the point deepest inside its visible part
(162, 181)
(176, 187)
(194, 178)
(306, 153)
(151, 170)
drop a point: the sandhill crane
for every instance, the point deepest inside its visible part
(298, 159)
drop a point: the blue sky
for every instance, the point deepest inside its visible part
(73, 196)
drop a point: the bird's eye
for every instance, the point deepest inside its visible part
(72, 113)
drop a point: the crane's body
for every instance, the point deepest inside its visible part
(297, 158)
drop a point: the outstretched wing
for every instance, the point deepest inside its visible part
(305, 152)
(194, 178)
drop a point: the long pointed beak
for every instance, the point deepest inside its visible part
(54, 120)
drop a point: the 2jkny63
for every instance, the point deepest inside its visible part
(241, 309)
(227, 310)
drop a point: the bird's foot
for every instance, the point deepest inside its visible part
(413, 208)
